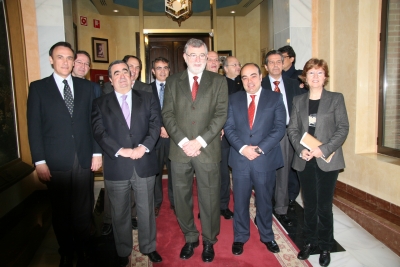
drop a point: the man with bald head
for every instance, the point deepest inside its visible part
(212, 62)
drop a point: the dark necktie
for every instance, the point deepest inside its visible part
(161, 96)
(251, 110)
(195, 88)
(68, 98)
(276, 89)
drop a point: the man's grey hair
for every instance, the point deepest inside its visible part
(194, 43)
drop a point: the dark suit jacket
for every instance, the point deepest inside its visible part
(331, 129)
(112, 133)
(97, 90)
(53, 135)
(108, 88)
(204, 117)
(155, 93)
(292, 89)
(268, 129)
(233, 87)
(292, 73)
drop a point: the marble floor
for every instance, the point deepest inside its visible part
(361, 248)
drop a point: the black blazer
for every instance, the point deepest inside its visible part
(155, 93)
(53, 135)
(112, 133)
(292, 89)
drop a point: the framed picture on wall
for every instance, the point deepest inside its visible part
(100, 50)
(222, 55)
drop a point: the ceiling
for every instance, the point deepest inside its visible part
(157, 7)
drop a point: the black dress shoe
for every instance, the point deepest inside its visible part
(66, 261)
(227, 214)
(208, 252)
(154, 257)
(134, 223)
(284, 219)
(122, 261)
(237, 248)
(188, 250)
(107, 229)
(306, 251)
(324, 258)
(292, 205)
(272, 246)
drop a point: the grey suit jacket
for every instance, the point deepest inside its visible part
(331, 129)
(204, 117)
(108, 88)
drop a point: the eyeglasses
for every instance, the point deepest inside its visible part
(213, 60)
(194, 56)
(278, 62)
(87, 65)
(235, 65)
(319, 73)
(162, 68)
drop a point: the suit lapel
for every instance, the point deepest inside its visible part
(136, 105)
(262, 102)
(57, 94)
(303, 107)
(115, 108)
(78, 95)
(184, 85)
(324, 104)
(243, 109)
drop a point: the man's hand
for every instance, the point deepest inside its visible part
(316, 152)
(250, 153)
(222, 133)
(125, 152)
(43, 172)
(138, 152)
(96, 163)
(192, 148)
(306, 155)
(164, 133)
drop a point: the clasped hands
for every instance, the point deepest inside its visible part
(192, 148)
(133, 153)
(307, 155)
(250, 152)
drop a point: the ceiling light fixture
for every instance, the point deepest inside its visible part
(115, 10)
(178, 10)
(233, 11)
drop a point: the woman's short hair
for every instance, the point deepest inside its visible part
(315, 63)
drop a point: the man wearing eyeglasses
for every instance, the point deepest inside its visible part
(160, 70)
(82, 67)
(212, 61)
(194, 112)
(289, 88)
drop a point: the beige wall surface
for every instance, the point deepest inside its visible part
(120, 32)
(348, 38)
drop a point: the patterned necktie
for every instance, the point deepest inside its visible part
(161, 95)
(276, 89)
(195, 88)
(68, 98)
(125, 110)
(251, 110)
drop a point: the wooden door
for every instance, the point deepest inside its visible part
(171, 47)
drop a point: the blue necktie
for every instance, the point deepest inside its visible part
(161, 95)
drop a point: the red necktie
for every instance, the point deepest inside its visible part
(276, 89)
(251, 110)
(195, 88)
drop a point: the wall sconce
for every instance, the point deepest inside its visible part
(178, 10)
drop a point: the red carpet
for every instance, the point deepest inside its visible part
(170, 240)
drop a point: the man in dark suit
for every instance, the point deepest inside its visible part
(290, 71)
(255, 125)
(160, 70)
(289, 88)
(64, 151)
(135, 65)
(82, 67)
(126, 124)
(194, 112)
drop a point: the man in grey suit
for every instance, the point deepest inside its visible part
(194, 112)
(135, 65)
